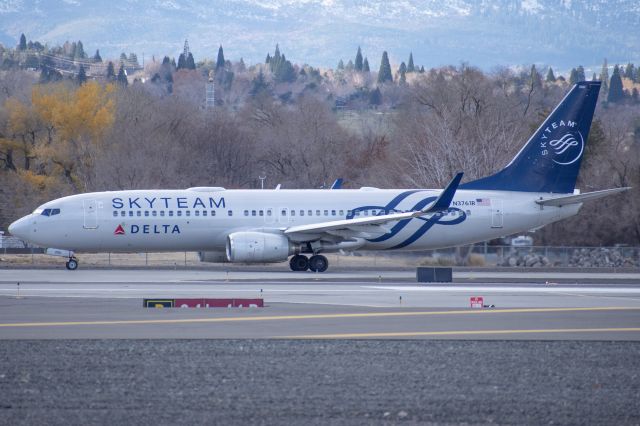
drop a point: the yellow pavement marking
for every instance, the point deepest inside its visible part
(313, 316)
(456, 333)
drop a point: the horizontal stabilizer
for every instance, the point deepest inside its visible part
(580, 198)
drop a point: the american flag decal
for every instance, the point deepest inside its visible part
(483, 201)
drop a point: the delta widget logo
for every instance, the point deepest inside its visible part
(119, 231)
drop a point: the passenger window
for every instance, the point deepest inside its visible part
(261, 212)
(333, 212)
(204, 212)
(162, 213)
(301, 212)
(187, 213)
(122, 213)
(253, 212)
(138, 213)
(196, 213)
(309, 212)
(317, 212)
(230, 212)
(246, 212)
(130, 213)
(154, 213)
(179, 213)
(341, 212)
(268, 212)
(292, 212)
(146, 212)
(468, 212)
(284, 212)
(170, 212)
(115, 213)
(326, 212)
(213, 212)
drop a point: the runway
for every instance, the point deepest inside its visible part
(52, 304)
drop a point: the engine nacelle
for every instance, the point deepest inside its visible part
(213, 256)
(259, 247)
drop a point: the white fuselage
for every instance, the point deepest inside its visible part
(201, 219)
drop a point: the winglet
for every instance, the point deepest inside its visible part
(446, 196)
(337, 184)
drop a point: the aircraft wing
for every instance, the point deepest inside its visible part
(579, 198)
(367, 226)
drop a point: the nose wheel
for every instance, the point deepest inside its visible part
(72, 264)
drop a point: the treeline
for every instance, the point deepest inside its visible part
(302, 127)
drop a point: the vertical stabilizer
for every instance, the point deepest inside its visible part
(550, 160)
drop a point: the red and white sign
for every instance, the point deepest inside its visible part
(477, 302)
(119, 230)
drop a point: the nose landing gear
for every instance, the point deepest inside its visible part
(72, 264)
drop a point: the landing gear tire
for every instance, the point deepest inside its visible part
(72, 264)
(318, 263)
(299, 263)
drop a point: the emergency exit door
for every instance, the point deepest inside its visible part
(496, 214)
(90, 214)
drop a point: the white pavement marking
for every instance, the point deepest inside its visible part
(494, 289)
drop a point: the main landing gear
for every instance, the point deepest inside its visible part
(316, 263)
(72, 264)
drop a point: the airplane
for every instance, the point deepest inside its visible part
(262, 226)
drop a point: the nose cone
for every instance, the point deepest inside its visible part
(20, 228)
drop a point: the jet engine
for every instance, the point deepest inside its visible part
(259, 247)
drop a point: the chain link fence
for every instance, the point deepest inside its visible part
(14, 251)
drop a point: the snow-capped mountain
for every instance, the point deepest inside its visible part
(562, 33)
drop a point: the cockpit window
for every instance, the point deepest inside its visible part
(50, 212)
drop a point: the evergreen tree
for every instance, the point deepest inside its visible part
(173, 62)
(190, 63)
(123, 58)
(122, 76)
(220, 60)
(23, 42)
(358, 64)
(634, 95)
(616, 92)
(410, 66)
(402, 72)
(604, 77)
(182, 61)
(241, 65)
(97, 57)
(384, 74)
(536, 80)
(551, 78)
(82, 75)
(580, 73)
(266, 61)
(350, 65)
(365, 65)
(276, 55)
(166, 61)
(79, 52)
(594, 78)
(629, 71)
(340, 65)
(111, 73)
(375, 98)
(258, 84)
(422, 69)
(573, 77)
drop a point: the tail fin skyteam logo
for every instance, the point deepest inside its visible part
(567, 149)
(565, 145)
